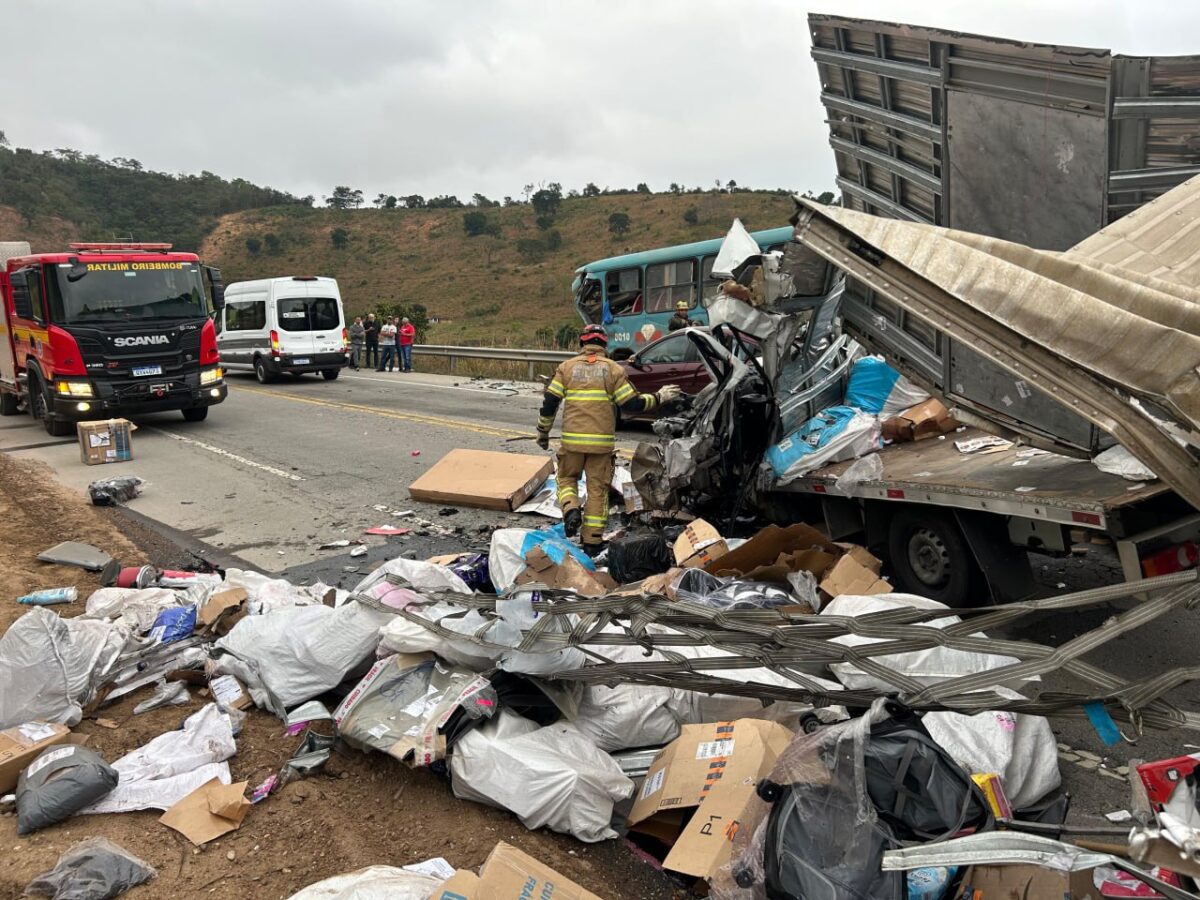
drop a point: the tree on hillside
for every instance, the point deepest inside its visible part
(567, 336)
(482, 201)
(692, 216)
(253, 245)
(731, 186)
(445, 201)
(554, 240)
(642, 188)
(273, 244)
(384, 201)
(344, 197)
(675, 188)
(509, 201)
(544, 222)
(590, 190)
(339, 237)
(416, 313)
(618, 223)
(547, 200)
(3, 139)
(125, 162)
(475, 223)
(414, 201)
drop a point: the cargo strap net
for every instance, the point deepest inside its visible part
(791, 644)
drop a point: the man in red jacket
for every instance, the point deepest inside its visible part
(405, 338)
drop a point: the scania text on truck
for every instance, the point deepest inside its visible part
(107, 329)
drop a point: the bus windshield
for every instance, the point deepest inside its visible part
(127, 291)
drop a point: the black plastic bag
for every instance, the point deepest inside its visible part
(59, 783)
(95, 869)
(113, 491)
(637, 556)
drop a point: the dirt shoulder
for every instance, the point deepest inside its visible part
(367, 809)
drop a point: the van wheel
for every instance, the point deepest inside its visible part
(9, 403)
(329, 374)
(196, 414)
(260, 371)
(930, 557)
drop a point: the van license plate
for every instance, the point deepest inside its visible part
(146, 370)
(302, 361)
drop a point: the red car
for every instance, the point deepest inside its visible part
(670, 360)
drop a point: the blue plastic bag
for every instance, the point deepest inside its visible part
(810, 437)
(555, 545)
(870, 385)
(174, 624)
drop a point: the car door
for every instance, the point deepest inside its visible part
(670, 360)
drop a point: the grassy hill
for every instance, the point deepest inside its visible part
(491, 289)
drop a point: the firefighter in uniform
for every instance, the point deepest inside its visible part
(680, 319)
(588, 385)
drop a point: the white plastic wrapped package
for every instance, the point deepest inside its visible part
(399, 635)
(265, 594)
(48, 666)
(372, 883)
(292, 654)
(627, 716)
(159, 774)
(517, 615)
(832, 435)
(1021, 749)
(553, 776)
(422, 575)
(504, 558)
(1116, 460)
(137, 607)
(875, 387)
(926, 666)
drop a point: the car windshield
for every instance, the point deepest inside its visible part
(126, 291)
(309, 314)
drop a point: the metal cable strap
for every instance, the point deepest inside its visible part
(796, 646)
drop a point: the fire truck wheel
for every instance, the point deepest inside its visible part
(196, 413)
(8, 404)
(39, 406)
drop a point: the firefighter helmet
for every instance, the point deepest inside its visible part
(594, 334)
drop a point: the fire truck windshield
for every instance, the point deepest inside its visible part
(125, 291)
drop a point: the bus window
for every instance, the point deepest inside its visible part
(709, 286)
(624, 289)
(668, 283)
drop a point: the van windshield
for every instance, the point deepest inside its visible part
(309, 314)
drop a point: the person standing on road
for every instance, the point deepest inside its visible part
(387, 344)
(358, 337)
(371, 329)
(588, 385)
(406, 336)
(680, 319)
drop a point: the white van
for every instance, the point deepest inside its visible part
(277, 325)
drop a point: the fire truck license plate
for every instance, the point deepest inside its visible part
(146, 370)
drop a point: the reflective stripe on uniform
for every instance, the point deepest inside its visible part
(650, 400)
(587, 396)
(598, 521)
(545, 423)
(624, 392)
(555, 387)
(596, 440)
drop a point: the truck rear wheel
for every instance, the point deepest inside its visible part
(930, 557)
(9, 403)
(196, 413)
(329, 374)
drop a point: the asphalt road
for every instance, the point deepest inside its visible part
(278, 470)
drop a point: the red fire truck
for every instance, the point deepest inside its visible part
(107, 329)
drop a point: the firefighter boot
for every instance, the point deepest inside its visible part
(572, 519)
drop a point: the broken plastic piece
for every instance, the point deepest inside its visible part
(94, 869)
(312, 754)
(73, 553)
(388, 530)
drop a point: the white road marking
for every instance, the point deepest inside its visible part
(506, 392)
(290, 476)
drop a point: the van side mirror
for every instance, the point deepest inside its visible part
(22, 302)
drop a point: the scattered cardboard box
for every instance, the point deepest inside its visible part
(696, 791)
(482, 479)
(230, 693)
(1018, 882)
(222, 611)
(208, 812)
(699, 545)
(854, 575)
(568, 575)
(925, 420)
(634, 502)
(105, 442)
(795, 547)
(21, 744)
(462, 885)
(509, 874)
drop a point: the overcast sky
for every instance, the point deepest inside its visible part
(404, 97)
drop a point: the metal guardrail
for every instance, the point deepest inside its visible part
(511, 354)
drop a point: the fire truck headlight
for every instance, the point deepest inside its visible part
(75, 389)
(211, 376)
(83, 407)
